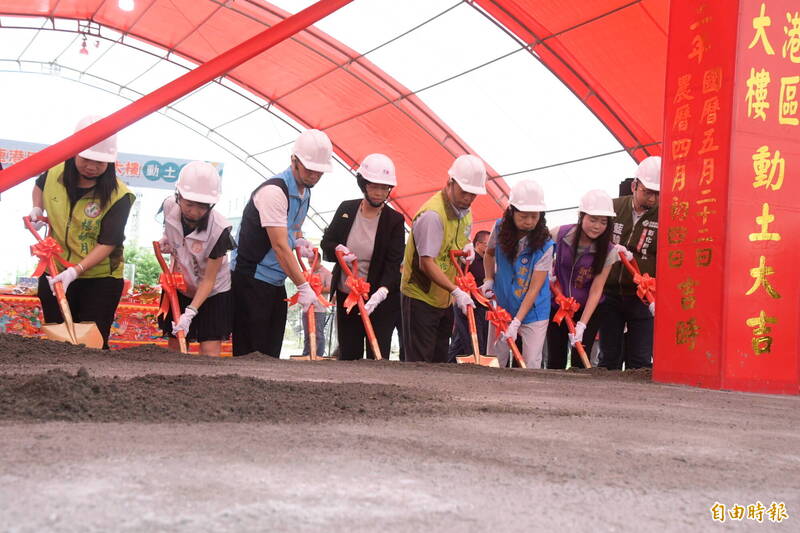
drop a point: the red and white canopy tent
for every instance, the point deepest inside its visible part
(610, 54)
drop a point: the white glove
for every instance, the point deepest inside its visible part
(580, 327)
(512, 330)
(34, 215)
(652, 308)
(469, 249)
(306, 250)
(376, 298)
(307, 297)
(165, 246)
(620, 248)
(184, 321)
(349, 256)
(486, 288)
(463, 300)
(66, 277)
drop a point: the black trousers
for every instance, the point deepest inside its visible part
(90, 300)
(635, 348)
(259, 315)
(558, 342)
(426, 331)
(351, 334)
(461, 343)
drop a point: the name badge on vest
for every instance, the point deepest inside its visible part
(197, 247)
(524, 260)
(92, 210)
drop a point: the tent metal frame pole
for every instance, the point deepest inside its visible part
(104, 128)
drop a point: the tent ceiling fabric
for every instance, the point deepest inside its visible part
(321, 83)
(620, 79)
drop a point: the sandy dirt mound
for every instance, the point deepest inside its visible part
(57, 395)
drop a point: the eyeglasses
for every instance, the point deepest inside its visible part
(647, 192)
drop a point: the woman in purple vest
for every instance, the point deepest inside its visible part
(584, 255)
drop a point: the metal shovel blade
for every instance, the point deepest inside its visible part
(85, 333)
(310, 358)
(482, 360)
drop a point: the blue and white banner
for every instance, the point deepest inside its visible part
(136, 170)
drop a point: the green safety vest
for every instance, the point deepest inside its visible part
(415, 283)
(76, 228)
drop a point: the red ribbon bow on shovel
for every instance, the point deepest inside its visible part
(466, 281)
(171, 283)
(314, 280)
(359, 290)
(566, 308)
(500, 319)
(467, 284)
(645, 287)
(645, 284)
(44, 250)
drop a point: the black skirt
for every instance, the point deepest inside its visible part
(214, 320)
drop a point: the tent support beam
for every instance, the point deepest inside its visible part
(104, 128)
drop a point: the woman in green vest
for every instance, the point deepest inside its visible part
(87, 207)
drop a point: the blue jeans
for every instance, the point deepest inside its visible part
(634, 348)
(321, 320)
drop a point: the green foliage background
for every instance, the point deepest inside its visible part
(147, 268)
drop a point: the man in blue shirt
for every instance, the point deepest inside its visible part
(270, 231)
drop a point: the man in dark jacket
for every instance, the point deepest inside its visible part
(636, 228)
(371, 232)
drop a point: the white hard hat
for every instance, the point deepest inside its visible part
(597, 203)
(104, 151)
(470, 173)
(649, 173)
(314, 150)
(378, 168)
(199, 182)
(527, 195)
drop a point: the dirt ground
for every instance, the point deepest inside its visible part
(148, 440)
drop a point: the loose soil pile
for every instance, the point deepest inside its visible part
(30, 393)
(57, 395)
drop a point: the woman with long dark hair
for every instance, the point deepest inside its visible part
(88, 207)
(584, 257)
(517, 261)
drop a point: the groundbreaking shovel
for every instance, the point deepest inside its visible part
(316, 283)
(85, 333)
(359, 289)
(466, 282)
(567, 308)
(170, 281)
